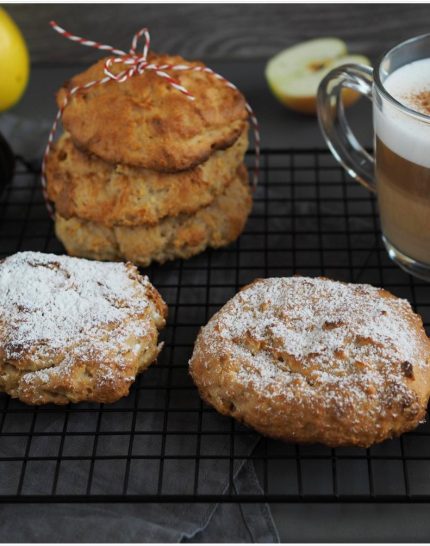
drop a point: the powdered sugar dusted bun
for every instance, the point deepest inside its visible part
(315, 360)
(405, 135)
(74, 330)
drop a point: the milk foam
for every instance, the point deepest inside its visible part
(403, 134)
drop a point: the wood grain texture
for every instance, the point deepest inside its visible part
(217, 31)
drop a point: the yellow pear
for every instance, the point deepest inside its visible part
(14, 62)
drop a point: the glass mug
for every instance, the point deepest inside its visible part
(399, 171)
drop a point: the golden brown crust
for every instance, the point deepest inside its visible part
(314, 360)
(146, 123)
(73, 330)
(183, 236)
(84, 186)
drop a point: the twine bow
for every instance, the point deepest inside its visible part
(137, 64)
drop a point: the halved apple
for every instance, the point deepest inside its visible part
(294, 74)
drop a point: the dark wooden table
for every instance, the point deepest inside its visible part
(218, 31)
(280, 129)
(246, 36)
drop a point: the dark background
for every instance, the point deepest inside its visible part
(217, 31)
(237, 40)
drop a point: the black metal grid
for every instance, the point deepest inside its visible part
(308, 218)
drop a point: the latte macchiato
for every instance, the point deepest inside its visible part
(402, 153)
(399, 172)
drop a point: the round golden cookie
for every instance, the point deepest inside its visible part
(74, 330)
(181, 236)
(315, 360)
(147, 123)
(87, 187)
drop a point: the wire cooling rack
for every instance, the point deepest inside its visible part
(161, 443)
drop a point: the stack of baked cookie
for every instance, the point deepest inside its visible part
(143, 173)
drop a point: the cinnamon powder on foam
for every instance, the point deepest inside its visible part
(419, 101)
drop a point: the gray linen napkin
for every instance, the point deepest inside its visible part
(141, 522)
(152, 522)
(155, 522)
(27, 138)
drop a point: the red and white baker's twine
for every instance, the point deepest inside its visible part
(138, 65)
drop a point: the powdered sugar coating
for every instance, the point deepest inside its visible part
(325, 326)
(53, 301)
(316, 360)
(75, 323)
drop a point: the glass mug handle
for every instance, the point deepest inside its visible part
(331, 114)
